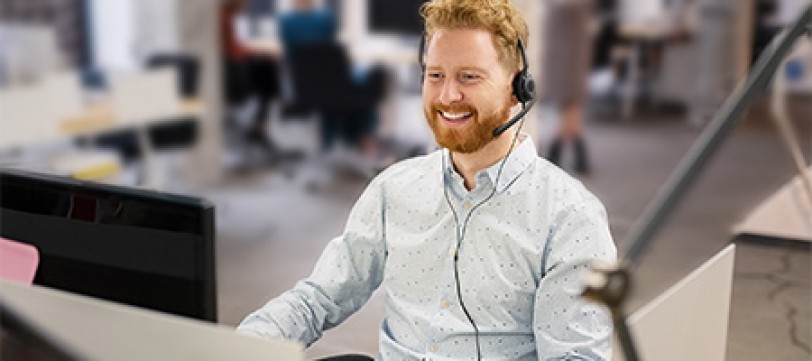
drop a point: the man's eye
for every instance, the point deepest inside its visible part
(470, 77)
(435, 75)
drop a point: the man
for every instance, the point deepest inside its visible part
(307, 23)
(248, 72)
(567, 55)
(479, 245)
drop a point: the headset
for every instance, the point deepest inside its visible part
(524, 87)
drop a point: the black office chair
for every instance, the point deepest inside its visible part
(321, 77)
(322, 82)
(254, 78)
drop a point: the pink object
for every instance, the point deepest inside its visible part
(18, 261)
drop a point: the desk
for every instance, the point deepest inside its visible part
(94, 329)
(101, 118)
(134, 100)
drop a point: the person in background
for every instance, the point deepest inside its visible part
(248, 73)
(567, 49)
(309, 23)
(481, 243)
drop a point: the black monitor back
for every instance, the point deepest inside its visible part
(133, 246)
(398, 17)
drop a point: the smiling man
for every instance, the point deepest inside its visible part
(479, 246)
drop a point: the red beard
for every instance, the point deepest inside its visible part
(470, 138)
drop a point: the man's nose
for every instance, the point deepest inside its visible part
(450, 92)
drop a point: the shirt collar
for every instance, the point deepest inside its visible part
(518, 160)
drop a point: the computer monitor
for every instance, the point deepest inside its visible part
(395, 17)
(133, 246)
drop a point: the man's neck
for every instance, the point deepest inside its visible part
(469, 164)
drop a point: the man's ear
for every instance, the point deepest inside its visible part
(513, 99)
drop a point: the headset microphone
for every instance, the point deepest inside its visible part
(525, 108)
(524, 89)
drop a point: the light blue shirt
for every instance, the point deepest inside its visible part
(519, 262)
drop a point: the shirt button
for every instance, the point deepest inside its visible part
(444, 304)
(467, 204)
(433, 347)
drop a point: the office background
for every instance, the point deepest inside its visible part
(276, 211)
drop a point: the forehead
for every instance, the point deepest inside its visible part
(462, 48)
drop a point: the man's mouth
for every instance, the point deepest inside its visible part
(455, 116)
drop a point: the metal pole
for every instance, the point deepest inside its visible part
(709, 140)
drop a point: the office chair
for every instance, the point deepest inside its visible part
(323, 82)
(251, 90)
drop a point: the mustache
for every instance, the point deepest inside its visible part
(453, 108)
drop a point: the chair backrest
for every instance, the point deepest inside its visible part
(320, 74)
(18, 261)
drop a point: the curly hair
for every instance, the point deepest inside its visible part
(498, 17)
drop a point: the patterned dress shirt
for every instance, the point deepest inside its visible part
(520, 240)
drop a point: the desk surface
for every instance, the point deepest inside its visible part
(101, 117)
(99, 330)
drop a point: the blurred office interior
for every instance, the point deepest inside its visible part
(134, 93)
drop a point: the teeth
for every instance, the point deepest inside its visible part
(455, 116)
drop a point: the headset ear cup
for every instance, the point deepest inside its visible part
(524, 88)
(529, 87)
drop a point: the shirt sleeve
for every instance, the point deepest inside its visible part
(567, 326)
(349, 270)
